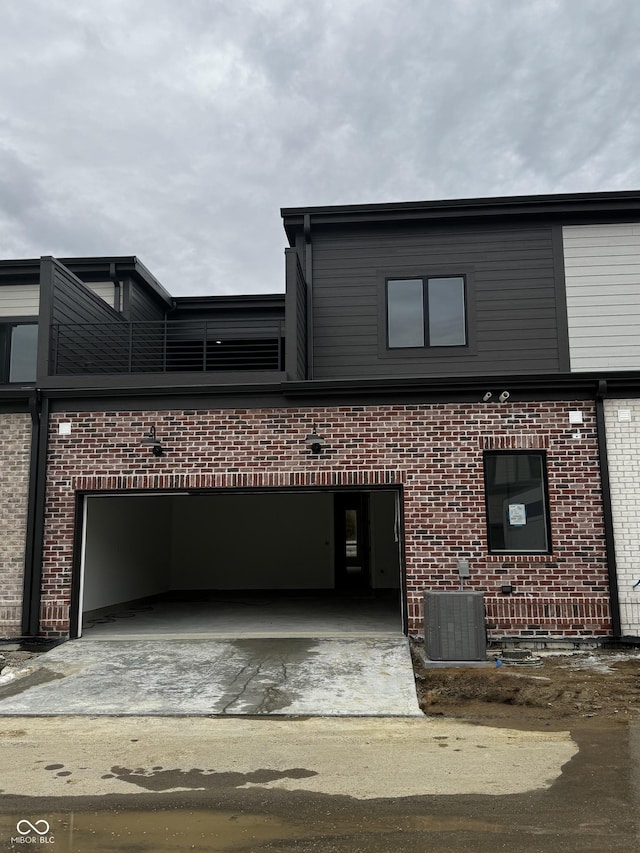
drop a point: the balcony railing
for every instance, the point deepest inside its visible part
(190, 346)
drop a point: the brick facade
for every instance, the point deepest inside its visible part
(622, 419)
(15, 442)
(433, 452)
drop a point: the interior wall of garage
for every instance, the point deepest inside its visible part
(385, 534)
(144, 545)
(253, 541)
(127, 550)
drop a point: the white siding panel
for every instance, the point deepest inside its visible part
(617, 265)
(602, 273)
(625, 347)
(616, 229)
(104, 289)
(588, 242)
(593, 365)
(598, 297)
(608, 285)
(19, 300)
(623, 249)
(594, 316)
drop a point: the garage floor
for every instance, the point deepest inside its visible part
(239, 616)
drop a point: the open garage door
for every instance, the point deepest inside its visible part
(246, 562)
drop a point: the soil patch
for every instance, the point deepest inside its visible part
(565, 687)
(15, 659)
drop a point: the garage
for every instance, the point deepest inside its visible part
(303, 562)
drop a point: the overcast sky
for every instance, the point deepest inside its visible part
(175, 130)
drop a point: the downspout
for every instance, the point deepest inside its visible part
(39, 411)
(603, 460)
(34, 411)
(308, 274)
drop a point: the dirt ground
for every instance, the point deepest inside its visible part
(589, 807)
(563, 688)
(11, 662)
(14, 660)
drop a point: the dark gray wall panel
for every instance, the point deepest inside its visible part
(85, 329)
(142, 305)
(74, 302)
(297, 295)
(512, 272)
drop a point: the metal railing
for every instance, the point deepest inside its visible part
(191, 346)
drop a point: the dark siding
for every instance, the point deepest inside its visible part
(143, 305)
(85, 329)
(296, 317)
(251, 333)
(512, 272)
(146, 314)
(237, 321)
(73, 302)
(301, 323)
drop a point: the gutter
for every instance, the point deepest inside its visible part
(34, 411)
(521, 386)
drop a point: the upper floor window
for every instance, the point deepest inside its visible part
(18, 352)
(426, 312)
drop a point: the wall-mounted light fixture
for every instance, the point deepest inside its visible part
(150, 439)
(315, 442)
(504, 396)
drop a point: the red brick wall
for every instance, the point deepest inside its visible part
(435, 452)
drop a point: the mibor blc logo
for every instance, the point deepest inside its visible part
(33, 833)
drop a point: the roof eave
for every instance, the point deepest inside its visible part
(465, 208)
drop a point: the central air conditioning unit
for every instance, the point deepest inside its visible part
(454, 626)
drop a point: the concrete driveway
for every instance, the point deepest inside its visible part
(167, 677)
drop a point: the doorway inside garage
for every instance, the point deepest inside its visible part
(240, 563)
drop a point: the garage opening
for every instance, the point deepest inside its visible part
(259, 563)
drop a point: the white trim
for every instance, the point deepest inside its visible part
(83, 550)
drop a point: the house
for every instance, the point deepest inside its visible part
(444, 397)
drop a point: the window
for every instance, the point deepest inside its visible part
(18, 352)
(516, 496)
(426, 312)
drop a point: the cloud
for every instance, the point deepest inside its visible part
(176, 131)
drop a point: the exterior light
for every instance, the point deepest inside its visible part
(315, 442)
(151, 440)
(504, 396)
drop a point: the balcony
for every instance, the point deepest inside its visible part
(167, 346)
